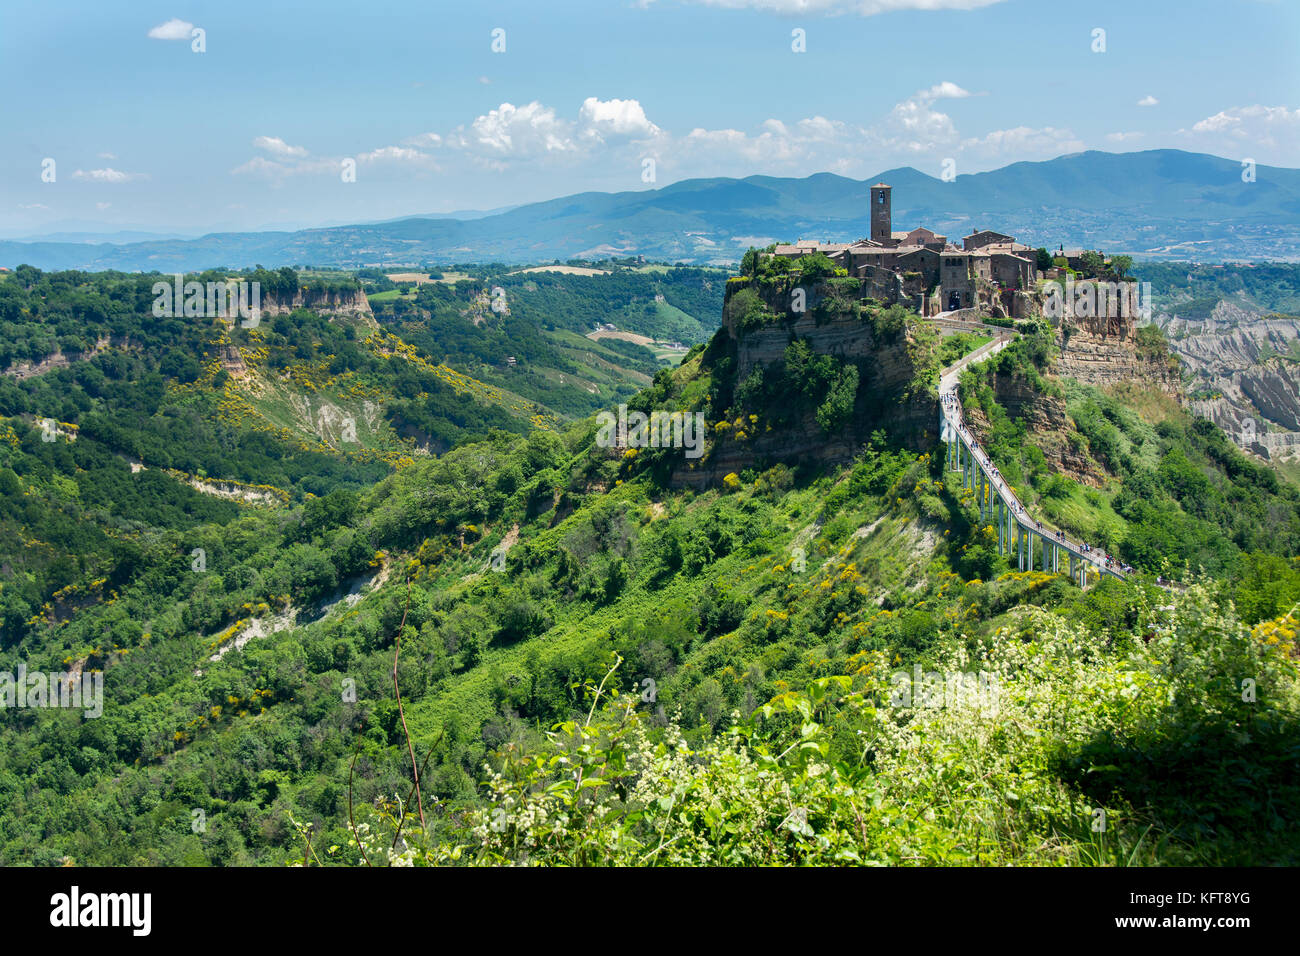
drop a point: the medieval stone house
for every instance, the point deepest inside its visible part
(922, 268)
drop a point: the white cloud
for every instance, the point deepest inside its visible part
(107, 156)
(865, 8)
(276, 169)
(278, 147)
(261, 166)
(1023, 142)
(1148, 100)
(608, 140)
(912, 132)
(813, 140)
(626, 118)
(106, 175)
(33, 205)
(173, 29)
(397, 154)
(914, 126)
(287, 161)
(1239, 118)
(101, 206)
(947, 90)
(1123, 137)
(516, 132)
(1266, 131)
(535, 130)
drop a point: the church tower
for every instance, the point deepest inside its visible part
(881, 213)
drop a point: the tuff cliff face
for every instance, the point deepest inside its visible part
(829, 329)
(1106, 351)
(1045, 418)
(887, 365)
(345, 302)
(59, 359)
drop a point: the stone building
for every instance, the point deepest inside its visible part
(882, 212)
(921, 268)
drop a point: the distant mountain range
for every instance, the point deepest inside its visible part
(1158, 204)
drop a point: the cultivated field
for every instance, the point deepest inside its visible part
(566, 270)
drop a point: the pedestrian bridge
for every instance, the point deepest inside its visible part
(1031, 543)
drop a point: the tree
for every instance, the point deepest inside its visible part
(815, 266)
(1044, 260)
(27, 276)
(1120, 265)
(1092, 263)
(835, 412)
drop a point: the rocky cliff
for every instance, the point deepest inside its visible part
(888, 365)
(1245, 379)
(1047, 423)
(1106, 351)
(340, 301)
(60, 359)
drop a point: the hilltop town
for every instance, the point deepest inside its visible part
(990, 271)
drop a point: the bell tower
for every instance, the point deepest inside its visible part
(881, 212)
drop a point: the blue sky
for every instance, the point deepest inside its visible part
(146, 133)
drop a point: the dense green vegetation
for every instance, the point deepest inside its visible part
(804, 381)
(155, 407)
(1193, 289)
(713, 605)
(599, 666)
(539, 319)
(1177, 497)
